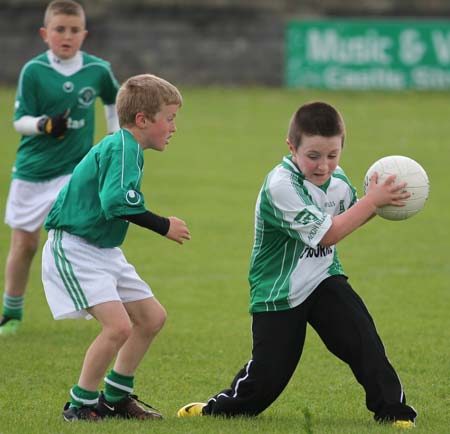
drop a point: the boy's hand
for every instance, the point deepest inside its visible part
(387, 192)
(178, 231)
(55, 126)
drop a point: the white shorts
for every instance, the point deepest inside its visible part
(29, 202)
(78, 275)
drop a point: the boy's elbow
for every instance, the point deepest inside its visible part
(326, 243)
(329, 239)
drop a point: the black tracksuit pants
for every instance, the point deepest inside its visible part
(345, 326)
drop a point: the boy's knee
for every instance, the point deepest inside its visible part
(158, 320)
(155, 322)
(121, 332)
(25, 245)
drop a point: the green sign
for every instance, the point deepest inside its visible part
(368, 54)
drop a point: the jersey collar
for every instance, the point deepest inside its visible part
(65, 66)
(288, 164)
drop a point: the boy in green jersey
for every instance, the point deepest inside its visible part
(54, 112)
(305, 207)
(85, 273)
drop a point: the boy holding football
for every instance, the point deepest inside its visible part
(305, 207)
(85, 273)
(55, 107)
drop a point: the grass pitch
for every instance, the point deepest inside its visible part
(227, 140)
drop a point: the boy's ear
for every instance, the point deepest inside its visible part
(43, 33)
(140, 119)
(290, 146)
(85, 34)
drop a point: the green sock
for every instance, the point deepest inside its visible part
(12, 306)
(80, 397)
(117, 386)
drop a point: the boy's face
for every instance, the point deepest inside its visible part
(317, 157)
(156, 133)
(64, 35)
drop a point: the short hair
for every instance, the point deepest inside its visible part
(145, 93)
(315, 119)
(64, 7)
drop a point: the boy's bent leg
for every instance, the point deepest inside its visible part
(278, 339)
(148, 317)
(345, 326)
(27, 206)
(22, 250)
(21, 253)
(116, 329)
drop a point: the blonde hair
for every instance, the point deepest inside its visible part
(145, 93)
(64, 7)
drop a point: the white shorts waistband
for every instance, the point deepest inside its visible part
(67, 235)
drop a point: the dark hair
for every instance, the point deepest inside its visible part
(315, 119)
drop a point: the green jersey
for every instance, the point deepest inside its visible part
(291, 217)
(44, 91)
(105, 185)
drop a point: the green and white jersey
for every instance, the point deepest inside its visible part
(42, 90)
(291, 217)
(105, 185)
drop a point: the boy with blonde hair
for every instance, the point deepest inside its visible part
(84, 271)
(55, 108)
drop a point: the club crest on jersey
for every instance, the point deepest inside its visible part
(68, 86)
(305, 217)
(86, 96)
(133, 197)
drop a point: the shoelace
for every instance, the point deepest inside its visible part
(142, 402)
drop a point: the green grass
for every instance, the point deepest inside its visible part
(227, 140)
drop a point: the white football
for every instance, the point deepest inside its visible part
(409, 171)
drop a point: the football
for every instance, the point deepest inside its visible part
(409, 171)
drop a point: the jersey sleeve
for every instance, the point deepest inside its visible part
(350, 196)
(120, 182)
(290, 209)
(110, 87)
(26, 103)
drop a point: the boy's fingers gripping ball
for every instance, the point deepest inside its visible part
(406, 170)
(55, 126)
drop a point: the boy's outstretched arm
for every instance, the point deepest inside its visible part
(378, 195)
(172, 228)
